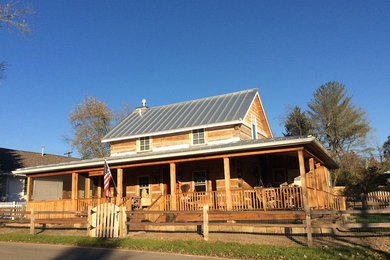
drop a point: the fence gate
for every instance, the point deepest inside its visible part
(105, 221)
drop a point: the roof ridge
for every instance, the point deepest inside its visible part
(199, 100)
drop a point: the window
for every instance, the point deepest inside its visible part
(199, 179)
(143, 186)
(144, 144)
(198, 136)
(254, 127)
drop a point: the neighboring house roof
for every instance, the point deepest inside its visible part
(207, 112)
(13, 159)
(308, 141)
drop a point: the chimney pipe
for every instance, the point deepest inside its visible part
(43, 150)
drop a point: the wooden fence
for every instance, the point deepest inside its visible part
(205, 217)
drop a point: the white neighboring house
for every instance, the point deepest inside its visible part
(13, 185)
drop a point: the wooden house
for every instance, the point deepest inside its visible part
(217, 151)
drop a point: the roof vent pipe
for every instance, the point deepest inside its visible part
(43, 150)
(144, 102)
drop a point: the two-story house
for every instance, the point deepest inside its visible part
(218, 150)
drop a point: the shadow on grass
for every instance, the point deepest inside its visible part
(350, 243)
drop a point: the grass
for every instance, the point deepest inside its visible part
(221, 249)
(372, 218)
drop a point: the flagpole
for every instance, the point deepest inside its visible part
(112, 177)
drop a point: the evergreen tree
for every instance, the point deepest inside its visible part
(340, 125)
(386, 149)
(297, 123)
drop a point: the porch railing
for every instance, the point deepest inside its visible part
(253, 199)
(267, 198)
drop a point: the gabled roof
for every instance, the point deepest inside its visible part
(14, 159)
(207, 112)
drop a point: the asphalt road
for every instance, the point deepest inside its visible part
(21, 251)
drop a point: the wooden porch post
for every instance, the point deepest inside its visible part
(99, 187)
(74, 190)
(28, 196)
(87, 187)
(312, 184)
(319, 177)
(173, 185)
(228, 191)
(119, 177)
(305, 199)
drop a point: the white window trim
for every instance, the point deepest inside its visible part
(138, 190)
(192, 136)
(253, 123)
(193, 182)
(139, 144)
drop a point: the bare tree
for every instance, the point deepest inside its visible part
(13, 15)
(2, 69)
(91, 121)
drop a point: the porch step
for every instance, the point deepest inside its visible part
(136, 218)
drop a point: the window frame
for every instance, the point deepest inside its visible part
(193, 180)
(139, 189)
(143, 145)
(253, 127)
(197, 132)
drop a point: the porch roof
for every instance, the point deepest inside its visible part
(310, 143)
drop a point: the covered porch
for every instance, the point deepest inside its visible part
(291, 177)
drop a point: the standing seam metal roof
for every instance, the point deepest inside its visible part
(200, 112)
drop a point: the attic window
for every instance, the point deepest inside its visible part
(144, 144)
(198, 136)
(254, 127)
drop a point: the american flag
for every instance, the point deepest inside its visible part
(107, 178)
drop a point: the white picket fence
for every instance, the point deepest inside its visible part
(12, 206)
(379, 196)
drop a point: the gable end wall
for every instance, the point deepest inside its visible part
(262, 124)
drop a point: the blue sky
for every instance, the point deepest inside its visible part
(173, 51)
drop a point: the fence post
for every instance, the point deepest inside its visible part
(32, 224)
(89, 224)
(123, 222)
(13, 210)
(206, 222)
(308, 228)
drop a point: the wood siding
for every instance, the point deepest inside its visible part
(262, 125)
(245, 132)
(174, 141)
(221, 133)
(123, 147)
(171, 140)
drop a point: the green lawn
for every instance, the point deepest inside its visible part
(222, 249)
(372, 218)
